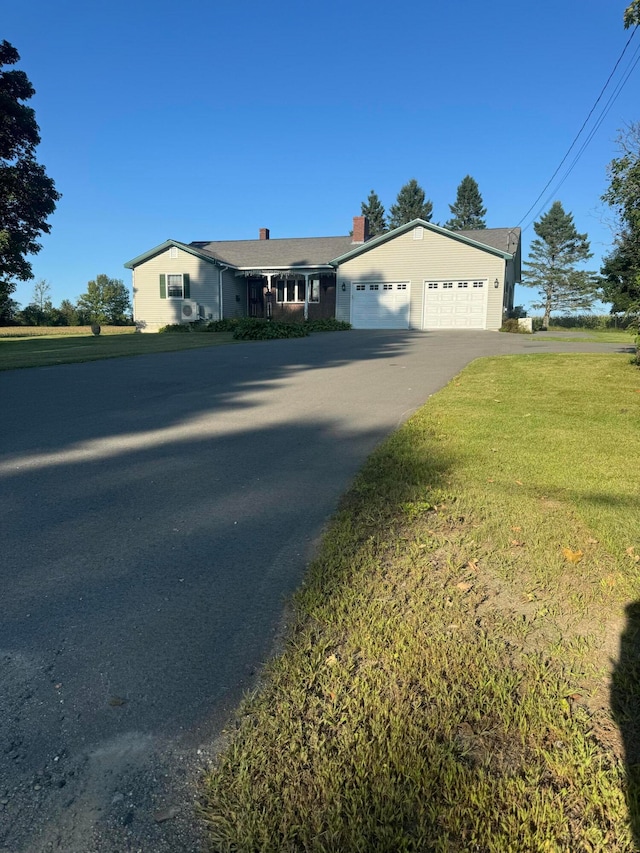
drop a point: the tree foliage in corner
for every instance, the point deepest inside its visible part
(410, 204)
(468, 210)
(374, 210)
(621, 269)
(552, 265)
(27, 195)
(106, 301)
(632, 15)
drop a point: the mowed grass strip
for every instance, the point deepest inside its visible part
(47, 351)
(624, 337)
(444, 685)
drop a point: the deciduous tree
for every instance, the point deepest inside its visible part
(468, 210)
(410, 204)
(27, 195)
(632, 14)
(552, 265)
(106, 301)
(621, 269)
(374, 210)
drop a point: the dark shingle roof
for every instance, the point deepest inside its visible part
(503, 239)
(290, 252)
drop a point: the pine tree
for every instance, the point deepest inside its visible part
(551, 268)
(375, 212)
(468, 211)
(410, 204)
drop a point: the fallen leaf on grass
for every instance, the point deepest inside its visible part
(516, 543)
(516, 529)
(519, 482)
(332, 660)
(464, 586)
(490, 480)
(592, 541)
(572, 556)
(473, 564)
(631, 551)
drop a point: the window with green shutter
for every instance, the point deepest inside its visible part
(163, 286)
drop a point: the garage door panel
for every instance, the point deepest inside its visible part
(380, 305)
(455, 304)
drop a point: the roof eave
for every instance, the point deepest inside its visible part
(141, 259)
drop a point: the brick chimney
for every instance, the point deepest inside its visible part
(360, 229)
(264, 233)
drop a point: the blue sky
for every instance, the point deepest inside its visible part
(205, 121)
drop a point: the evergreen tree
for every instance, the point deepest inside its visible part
(27, 195)
(468, 211)
(551, 268)
(410, 204)
(375, 213)
(106, 301)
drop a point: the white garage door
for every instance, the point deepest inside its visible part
(380, 304)
(455, 304)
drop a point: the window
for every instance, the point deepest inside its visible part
(290, 290)
(402, 286)
(374, 287)
(175, 289)
(361, 286)
(387, 287)
(447, 285)
(463, 284)
(314, 290)
(432, 285)
(478, 284)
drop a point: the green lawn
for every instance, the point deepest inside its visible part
(44, 351)
(606, 336)
(445, 684)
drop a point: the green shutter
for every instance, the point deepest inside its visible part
(187, 285)
(163, 286)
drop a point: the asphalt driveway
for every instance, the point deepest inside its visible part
(156, 513)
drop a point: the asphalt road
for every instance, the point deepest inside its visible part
(156, 513)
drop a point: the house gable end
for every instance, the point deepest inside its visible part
(168, 244)
(415, 223)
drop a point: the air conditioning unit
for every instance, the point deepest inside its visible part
(189, 310)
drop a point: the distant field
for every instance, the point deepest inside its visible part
(114, 342)
(61, 331)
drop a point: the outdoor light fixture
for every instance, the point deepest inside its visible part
(344, 286)
(496, 284)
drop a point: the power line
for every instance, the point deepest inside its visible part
(584, 124)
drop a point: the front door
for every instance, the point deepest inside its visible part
(256, 297)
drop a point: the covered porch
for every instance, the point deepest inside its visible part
(291, 294)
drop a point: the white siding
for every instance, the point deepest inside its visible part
(343, 298)
(234, 295)
(435, 257)
(150, 311)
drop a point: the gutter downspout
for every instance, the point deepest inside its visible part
(221, 269)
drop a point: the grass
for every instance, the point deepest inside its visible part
(625, 337)
(444, 685)
(113, 342)
(60, 331)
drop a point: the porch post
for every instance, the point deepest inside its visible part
(306, 296)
